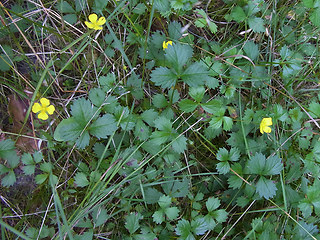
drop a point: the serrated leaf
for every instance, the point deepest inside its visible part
(7, 152)
(179, 145)
(152, 195)
(178, 55)
(159, 101)
(38, 157)
(234, 182)
(9, 179)
(259, 165)
(220, 215)
(132, 222)
(306, 208)
(212, 82)
(82, 110)
(212, 204)
(46, 167)
(315, 17)
(158, 216)
(104, 126)
(149, 116)
(68, 130)
(174, 30)
(256, 24)
(100, 217)
(212, 106)
(163, 77)
(196, 74)
(164, 201)
(211, 224)
(65, 7)
(199, 226)
(41, 178)
(197, 93)
(183, 229)
(163, 124)
(266, 188)
(251, 49)
(238, 14)
(187, 105)
(141, 130)
(27, 159)
(81, 179)
(223, 167)
(28, 169)
(97, 96)
(172, 213)
(216, 122)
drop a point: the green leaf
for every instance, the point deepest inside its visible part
(107, 82)
(258, 164)
(65, 7)
(27, 159)
(158, 216)
(149, 116)
(141, 130)
(97, 96)
(174, 30)
(197, 93)
(220, 215)
(70, 18)
(183, 229)
(152, 195)
(212, 106)
(212, 204)
(132, 222)
(266, 188)
(9, 179)
(196, 74)
(172, 213)
(159, 101)
(41, 178)
(104, 126)
(180, 144)
(81, 179)
(28, 169)
(315, 17)
(211, 224)
(38, 157)
(100, 216)
(306, 208)
(223, 167)
(199, 226)
(256, 24)
(251, 49)
(178, 55)
(82, 110)
(308, 3)
(5, 58)
(187, 105)
(163, 77)
(7, 152)
(238, 14)
(46, 167)
(164, 201)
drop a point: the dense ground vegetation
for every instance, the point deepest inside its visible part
(158, 119)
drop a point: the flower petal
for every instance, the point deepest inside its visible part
(36, 108)
(42, 115)
(89, 24)
(50, 109)
(268, 121)
(44, 102)
(267, 129)
(101, 21)
(93, 18)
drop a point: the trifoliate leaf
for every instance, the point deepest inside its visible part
(172, 213)
(163, 77)
(81, 179)
(212, 204)
(266, 188)
(38, 157)
(183, 229)
(28, 169)
(258, 164)
(223, 167)
(27, 159)
(104, 126)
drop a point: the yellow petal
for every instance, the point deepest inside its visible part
(89, 24)
(93, 18)
(101, 21)
(97, 27)
(44, 102)
(36, 108)
(169, 42)
(164, 46)
(267, 129)
(50, 109)
(42, 115)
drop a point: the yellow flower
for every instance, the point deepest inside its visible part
(166, 44)
(45, 108)
(265, 125)
(94, 22)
